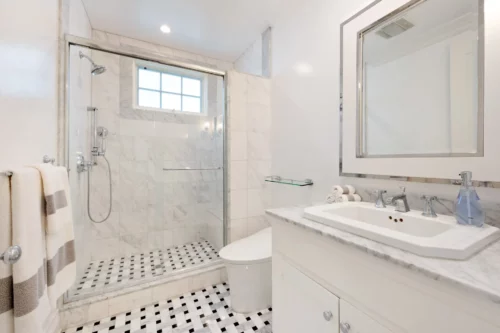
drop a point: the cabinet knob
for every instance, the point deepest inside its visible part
(345, 327)
(328, 315)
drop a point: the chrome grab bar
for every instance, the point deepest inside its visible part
(11, 255)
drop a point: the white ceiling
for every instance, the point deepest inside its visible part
(222, 29)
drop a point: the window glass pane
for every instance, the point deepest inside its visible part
(150, 99)
(149, 79)
(191, 104)
(191, 87)
(171, 83)
(171, 102)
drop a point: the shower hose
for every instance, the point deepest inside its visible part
(110, 194)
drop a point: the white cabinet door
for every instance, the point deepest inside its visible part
(354, 321)
(299, 304)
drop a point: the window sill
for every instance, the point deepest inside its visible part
(174, 112)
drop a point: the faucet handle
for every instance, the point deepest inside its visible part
(403, 189)
(380, 202)
(429, 206)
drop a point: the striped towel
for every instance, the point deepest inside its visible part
(60, 238)
(38, 221)
(6, 296)
(31, 302)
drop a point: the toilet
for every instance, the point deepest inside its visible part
(248, 264)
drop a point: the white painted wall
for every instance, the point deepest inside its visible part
(305, 90)
(28, 82)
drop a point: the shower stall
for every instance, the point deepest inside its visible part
(146, 153)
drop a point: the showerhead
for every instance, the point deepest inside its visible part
(96, 69)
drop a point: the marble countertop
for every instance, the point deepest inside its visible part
(480, 273)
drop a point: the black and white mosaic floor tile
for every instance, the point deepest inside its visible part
(117, 272)
(204, 311)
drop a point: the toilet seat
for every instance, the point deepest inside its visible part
(250, 250)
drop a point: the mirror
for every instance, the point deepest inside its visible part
(420, 81)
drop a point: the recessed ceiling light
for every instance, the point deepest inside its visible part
(165, 29)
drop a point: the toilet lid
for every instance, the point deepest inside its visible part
(251, 249)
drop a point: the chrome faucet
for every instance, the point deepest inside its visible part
(401, 201)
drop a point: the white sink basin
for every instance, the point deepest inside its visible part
(439, 237)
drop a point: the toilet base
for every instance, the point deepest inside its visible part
(250, 286)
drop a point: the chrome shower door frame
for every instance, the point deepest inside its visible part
(63, 137)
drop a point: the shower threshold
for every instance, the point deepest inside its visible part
(103, 276)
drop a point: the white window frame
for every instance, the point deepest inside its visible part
(175, 71)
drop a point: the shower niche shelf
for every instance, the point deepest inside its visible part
(286, 181)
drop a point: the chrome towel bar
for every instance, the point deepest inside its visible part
(45, 159)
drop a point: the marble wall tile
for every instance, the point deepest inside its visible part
(259, 118)
(259, 146)
(238, 229)
(109, 229)
(258, 90)
(258, 170)
(257, 223)
(238, 146)
(256, 202)
(129, 301)
(133, 243)
(238, 175)
(238, 204)
(133, 222)
(170, 290)
(104, 248)
(155, 240)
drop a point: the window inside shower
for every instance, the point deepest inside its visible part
(164, 186)
(166, 88)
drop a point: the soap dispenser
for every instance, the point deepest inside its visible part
(468, 210)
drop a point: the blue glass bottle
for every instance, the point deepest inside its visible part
(468, 210)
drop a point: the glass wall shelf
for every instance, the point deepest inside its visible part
(293, 182)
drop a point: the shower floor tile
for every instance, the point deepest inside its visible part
(115, 273)
(204, 311)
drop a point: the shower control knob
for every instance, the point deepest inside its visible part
(328, 315)
(11, 255)
(345, 327)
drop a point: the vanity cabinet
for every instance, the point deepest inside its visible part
(300, 304)
(315, 275)
(354, 321)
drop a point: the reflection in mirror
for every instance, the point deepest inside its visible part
(420, 72)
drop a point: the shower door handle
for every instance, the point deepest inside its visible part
(11, 255)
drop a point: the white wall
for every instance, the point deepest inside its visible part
(28, 83)
(305, 90)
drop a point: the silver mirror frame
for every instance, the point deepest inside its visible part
(481, 55)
